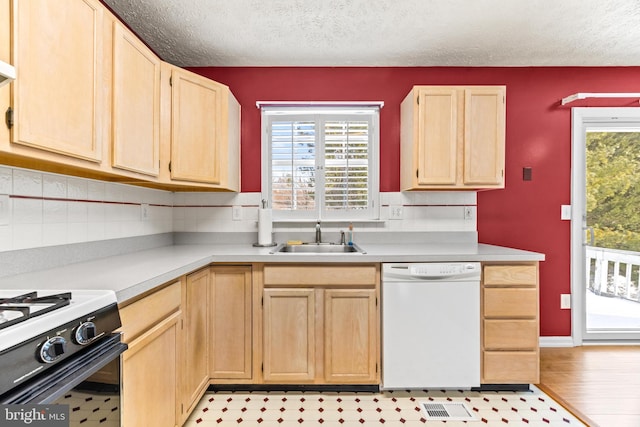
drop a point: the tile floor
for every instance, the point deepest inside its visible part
(398, 408)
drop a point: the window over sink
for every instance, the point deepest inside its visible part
(321, 162)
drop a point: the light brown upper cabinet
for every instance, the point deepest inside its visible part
(453, 137)
(5, 55)
(136, 104)
(92, 100)
(58, 97)
(204, 131)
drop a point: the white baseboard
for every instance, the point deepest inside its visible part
(556, 342)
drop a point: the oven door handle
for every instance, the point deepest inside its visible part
(56, 382)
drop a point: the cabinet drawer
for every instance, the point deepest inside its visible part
(320, 275)
(508, 302)
(510, 275)
(510, 334)
(145, 313)
(510, 367)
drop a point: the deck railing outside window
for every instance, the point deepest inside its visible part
(614, 273)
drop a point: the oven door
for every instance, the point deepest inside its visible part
(89, 383)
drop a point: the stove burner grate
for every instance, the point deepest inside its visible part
(22, 307)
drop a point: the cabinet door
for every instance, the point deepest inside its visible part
(195, 363)
(484, 139)
(289, 335)
(195, 132)
(149, 377)
(437, 136)
(58, 97)
(5, 56)
(350, 336)
(136, 104)
(230, 322)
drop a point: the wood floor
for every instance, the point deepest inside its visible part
(599, 384)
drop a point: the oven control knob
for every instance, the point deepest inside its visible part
(85, 333)
(52, 349)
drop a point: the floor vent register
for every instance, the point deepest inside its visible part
(446, 411)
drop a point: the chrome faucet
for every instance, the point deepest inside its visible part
(318, 233)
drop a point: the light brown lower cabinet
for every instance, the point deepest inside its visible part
(294, 324)
(230, 328)
(350, 336)
(289, 332)
(150, 379)
(320, 324)
(510, 323)
(195, 331)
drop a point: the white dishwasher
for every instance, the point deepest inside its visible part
(430, 325)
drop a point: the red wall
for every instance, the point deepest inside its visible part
(526, 214)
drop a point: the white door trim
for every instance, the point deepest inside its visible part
(581, 118)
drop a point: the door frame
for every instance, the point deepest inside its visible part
(581, 118)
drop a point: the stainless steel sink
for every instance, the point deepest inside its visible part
(318, 248)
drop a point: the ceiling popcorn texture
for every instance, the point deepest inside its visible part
(388, 32)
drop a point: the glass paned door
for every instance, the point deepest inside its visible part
(612, 231)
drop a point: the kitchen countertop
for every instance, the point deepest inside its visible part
(133, 274)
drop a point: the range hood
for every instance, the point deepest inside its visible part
(7, 73)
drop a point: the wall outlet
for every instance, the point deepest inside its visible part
(565, 301)
(236, 213)
(469, 212)
(395, 212)
(144, 212)
(4, 209)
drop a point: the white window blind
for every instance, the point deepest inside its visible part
(321, 163)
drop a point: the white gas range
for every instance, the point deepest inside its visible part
(52, 341)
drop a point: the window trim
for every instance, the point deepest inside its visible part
(329, 110)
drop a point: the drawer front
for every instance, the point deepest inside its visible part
(510, 367)
(510, 334)
(145, 313)
(510, 275)
(320, 275)
(508, 302)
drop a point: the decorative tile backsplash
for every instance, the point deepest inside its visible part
(47, 209)
(41, 209)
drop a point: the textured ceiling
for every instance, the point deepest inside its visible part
(388, 32)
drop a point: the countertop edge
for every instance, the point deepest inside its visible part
(137, 273)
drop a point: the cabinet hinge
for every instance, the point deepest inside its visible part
(418, 99)
(376, 367)
(262, 367)
(502, 173)
(416, 173)
(171, 81)
(8, 117)
(169, 166)
(262, 301)
(376, 301)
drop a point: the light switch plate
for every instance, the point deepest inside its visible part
(4, 209)
(565, 301)
(565, 212)
(236, 213)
